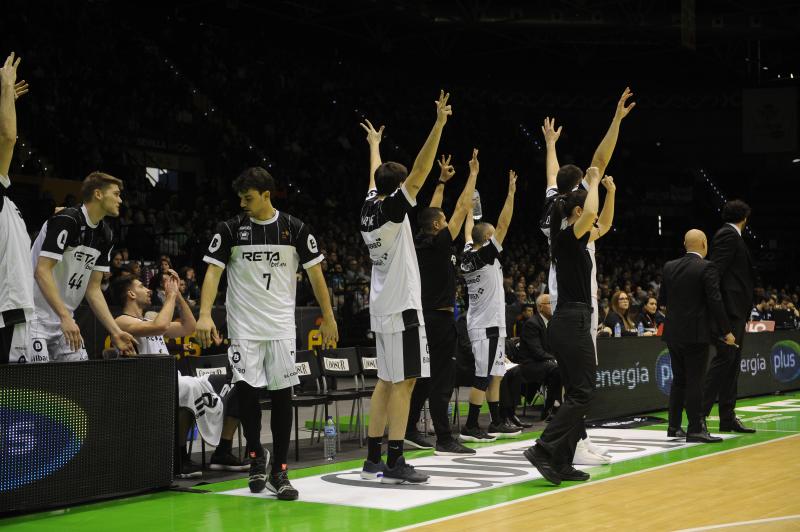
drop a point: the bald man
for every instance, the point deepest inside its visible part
(695, 318)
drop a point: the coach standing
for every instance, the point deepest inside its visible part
(690, 291)
(737, 280)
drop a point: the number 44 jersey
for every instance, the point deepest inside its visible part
(262, 258)
(80, 248)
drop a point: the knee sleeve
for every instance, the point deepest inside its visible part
(480, 383)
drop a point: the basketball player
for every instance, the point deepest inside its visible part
(70, 255)
(395, 299)
(262, 249)
(16, 275)
(486, 319)
(196, 397)
(561, 180)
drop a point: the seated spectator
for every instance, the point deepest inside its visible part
(527, 313)
(190, 277)
(618, 315)
(184, 291)
(762, 311)
(514, 311)
(165, 265)
(651, 317)
(535, 364)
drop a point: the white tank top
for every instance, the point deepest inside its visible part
(150, 345)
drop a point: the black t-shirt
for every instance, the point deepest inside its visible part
(437, 269)
(573, 267)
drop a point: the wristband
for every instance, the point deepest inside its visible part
(442, 182)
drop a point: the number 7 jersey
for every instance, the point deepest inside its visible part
(262, 258)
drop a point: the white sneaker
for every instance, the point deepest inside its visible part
(583, 456)
(596, 449)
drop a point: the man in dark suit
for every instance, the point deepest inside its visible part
(535, 364)
(737, 280)
(690, 291)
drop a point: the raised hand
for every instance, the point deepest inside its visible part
(373, 136)
(442, 109)
(549, 130)
(593, 175)
(171, 286)
(608, 183)
(623, 111)
(474, 165)
(447, 170)
(512, 181)
(8, 72)
(20, 88)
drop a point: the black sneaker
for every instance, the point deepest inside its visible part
(373, 471)
(258, 472)
(452, 448)
(570, 473)
(417, 440)
(475, 435)
(517, 422)
(503, 430)
(189, 469)
(403, 473)
(541, 461)
(226, 461)
(279, 485)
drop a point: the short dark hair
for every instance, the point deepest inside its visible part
(97, 181)
(479, 232)
(735, 211)
(568, 178)
(119, 288)
(427, 216)
(388, 177)
(256, 178)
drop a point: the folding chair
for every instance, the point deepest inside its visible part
(308, 370)
(336, 365)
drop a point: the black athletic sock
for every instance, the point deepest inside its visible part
(250, 416)
(184, 453)
(472, 417)
(281, 425)
(395, 452)
(494, 412)
(374, 449)
(225, 446)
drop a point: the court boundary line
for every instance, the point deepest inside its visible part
(741, 523)
(579, 486)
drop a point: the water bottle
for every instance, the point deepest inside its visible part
(640, 329)
(477, 212)
(330, 439)
(617, 330)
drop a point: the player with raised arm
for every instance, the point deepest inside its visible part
(70, 255)
(486, 319)
(395, 298)
(262, 249)
(16, 274)
(560, 181)
(437, 267)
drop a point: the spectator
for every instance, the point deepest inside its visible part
(619, 314)
(651, 317)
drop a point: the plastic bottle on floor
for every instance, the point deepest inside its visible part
(330, 439)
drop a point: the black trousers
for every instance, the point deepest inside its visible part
(571, 341)
(440, 326)
(533, 372)
(689, 363)
(723, 375)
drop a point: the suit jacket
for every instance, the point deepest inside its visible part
(690, 291)
(533, 343)
(736, 272)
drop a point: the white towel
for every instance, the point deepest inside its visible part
(196, 394)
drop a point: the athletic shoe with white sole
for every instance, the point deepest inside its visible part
(279, 484)
(583, 456)
(373, 471)
(475, 435)
(452, 448)
(403, 473)
(258, 472)
(221, 461)
(417, 440)
(596, 449)
(503, 430)
(189, 469)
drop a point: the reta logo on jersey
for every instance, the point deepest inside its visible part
(86, 258)
(273, 257)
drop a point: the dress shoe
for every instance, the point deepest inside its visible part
(570, 473)
(734, 426)
(702, 437)
(673, 432)
(541, 462)
(514, 420)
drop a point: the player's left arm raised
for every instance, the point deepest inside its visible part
(508, 209)
(606, 219)
(602, 155)
(97, 301)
